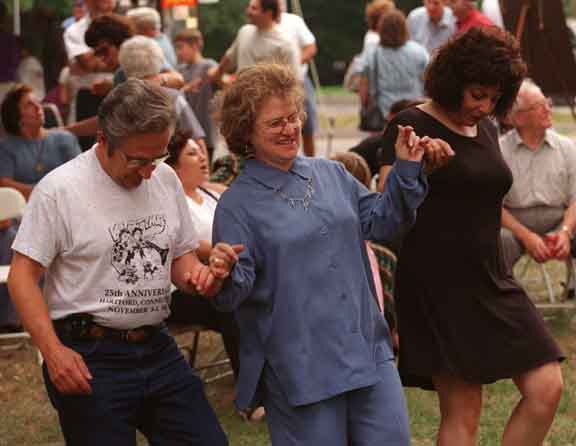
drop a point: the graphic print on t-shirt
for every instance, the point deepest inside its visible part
(140, 249)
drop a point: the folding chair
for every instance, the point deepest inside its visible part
(52, 116)
(211, 370)
(567, 284)
(12, 204)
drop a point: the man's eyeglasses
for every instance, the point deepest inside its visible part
(137, 163)
(278, 125)
(546, 104)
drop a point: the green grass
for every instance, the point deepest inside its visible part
(29, 420)
(335, 90)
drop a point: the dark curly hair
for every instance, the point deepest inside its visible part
(487, 56)
(10, 110)
(176, 145)
(112, 28)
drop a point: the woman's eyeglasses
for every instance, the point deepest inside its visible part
(278, 125)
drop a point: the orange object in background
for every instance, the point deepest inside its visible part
(172, 3)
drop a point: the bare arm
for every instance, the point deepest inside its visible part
(23, 188)
(562, 239)
(215, 74)
(89, 63)
(191, 276)
(382, 175)
(87, 127)
(363, 90)
(534, 244)
(66, 368)
(308, 52)
(172, 79)
(203, 250)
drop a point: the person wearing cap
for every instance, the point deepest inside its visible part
(110, 231)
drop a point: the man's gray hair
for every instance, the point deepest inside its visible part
(140, 57)
(135, 107)
(144, 18)
(527, 86)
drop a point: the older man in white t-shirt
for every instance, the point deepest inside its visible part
(110, 231)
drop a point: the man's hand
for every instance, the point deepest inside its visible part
(68, 371)
(200, 279)
(559, 244)
(537, 247)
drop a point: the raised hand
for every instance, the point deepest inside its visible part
(408, 145)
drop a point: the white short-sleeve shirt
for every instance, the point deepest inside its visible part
(108, 250)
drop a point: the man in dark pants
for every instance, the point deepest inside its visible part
(111, 230)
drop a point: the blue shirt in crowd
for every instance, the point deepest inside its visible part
(302, 289)
(28, 160)
(395, 73)
(427, 33)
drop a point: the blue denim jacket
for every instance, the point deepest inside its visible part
(302, 290)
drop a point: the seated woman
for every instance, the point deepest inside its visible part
(29, 151)
(190, 163)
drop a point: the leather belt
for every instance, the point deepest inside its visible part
(81, 326)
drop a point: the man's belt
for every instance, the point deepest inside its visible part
(81, 327)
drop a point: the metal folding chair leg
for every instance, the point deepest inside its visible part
(191, 348)
(546, 279)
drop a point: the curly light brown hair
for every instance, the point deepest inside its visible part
(238, 107)
(356, 165)
(375, 10)
(486, 56)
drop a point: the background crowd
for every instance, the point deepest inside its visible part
(411, 256)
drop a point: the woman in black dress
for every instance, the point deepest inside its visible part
(463, 320)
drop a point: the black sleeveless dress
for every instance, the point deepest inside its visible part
(459, 310)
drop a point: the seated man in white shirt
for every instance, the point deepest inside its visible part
(539, 211)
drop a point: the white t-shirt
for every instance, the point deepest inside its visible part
(108, 250)
(491, 9)
(203, 214)
(296, 28)
(74, 37)
(31, 73)
(253, 45)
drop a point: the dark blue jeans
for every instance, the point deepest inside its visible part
(147, 386)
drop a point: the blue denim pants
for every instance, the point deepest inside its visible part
(147, 387)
